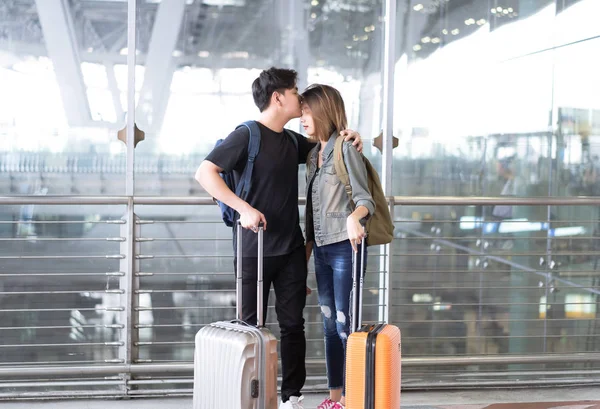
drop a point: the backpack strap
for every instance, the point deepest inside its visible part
(340, 167)
(291, 135)
(243, 187)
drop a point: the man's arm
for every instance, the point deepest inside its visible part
(348, 134)
(309, 248)
(305, 144)
(365, 205)
(208, 177)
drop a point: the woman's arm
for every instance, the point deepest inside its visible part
(357, 173)
(361, 196)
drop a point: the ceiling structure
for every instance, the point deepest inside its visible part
(343, 35)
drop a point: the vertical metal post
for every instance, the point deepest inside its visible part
(389, 64)
(131, 57)
(127, 352)
(129, 283)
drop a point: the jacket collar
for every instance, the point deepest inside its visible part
(327, 152)
(329, 147)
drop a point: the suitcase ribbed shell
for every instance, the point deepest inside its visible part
(387, 369)
(228, 358)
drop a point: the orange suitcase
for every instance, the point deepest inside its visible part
(373, 356)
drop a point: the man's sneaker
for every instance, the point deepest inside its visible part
(294, 402)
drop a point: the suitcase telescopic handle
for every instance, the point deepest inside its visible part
(259, 282)
(358, 262)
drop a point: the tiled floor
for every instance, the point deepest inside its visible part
(541, 398)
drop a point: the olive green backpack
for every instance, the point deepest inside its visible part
(380, 228)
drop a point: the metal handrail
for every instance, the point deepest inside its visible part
(396, 200)
(416, 362)
(141, 367)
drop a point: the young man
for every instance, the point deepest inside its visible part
(273, 200)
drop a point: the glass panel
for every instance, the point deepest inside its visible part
(463, 284)
(186, 277)
(59, 105)
(61, 284)
(471, 90)
(59, 118)
(577, 103)
(573, 287)
(199, 96)
(572, 299)
(187, 280)
(199, 64)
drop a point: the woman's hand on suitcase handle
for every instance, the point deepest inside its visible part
(356, 231)
(250, 218)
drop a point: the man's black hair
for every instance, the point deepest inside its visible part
(269, 81)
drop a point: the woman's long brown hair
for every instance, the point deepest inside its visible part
(328, 110)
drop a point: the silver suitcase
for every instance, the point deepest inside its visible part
(235, 364)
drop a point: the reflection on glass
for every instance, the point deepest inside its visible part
(473, 81)
(58, 118)
(497, 99)
(199, 65)
(491, 99)
(61, 291)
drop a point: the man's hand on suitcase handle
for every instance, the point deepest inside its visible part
(250, 218)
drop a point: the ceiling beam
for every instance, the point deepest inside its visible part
(160, 65)
(98, 57)
(62, 47)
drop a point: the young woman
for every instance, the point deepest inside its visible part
(333, 224)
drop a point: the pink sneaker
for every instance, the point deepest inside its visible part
(326, 404)
(329, 404)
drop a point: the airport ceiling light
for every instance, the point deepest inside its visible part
(504, 12)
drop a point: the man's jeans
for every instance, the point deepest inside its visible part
(333, 268)
(287, 273)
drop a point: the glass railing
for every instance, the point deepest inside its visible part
(103, 295)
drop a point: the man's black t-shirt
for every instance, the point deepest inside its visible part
(274, 190)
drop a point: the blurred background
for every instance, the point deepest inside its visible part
(492, 98)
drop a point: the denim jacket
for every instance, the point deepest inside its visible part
(329, 207)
